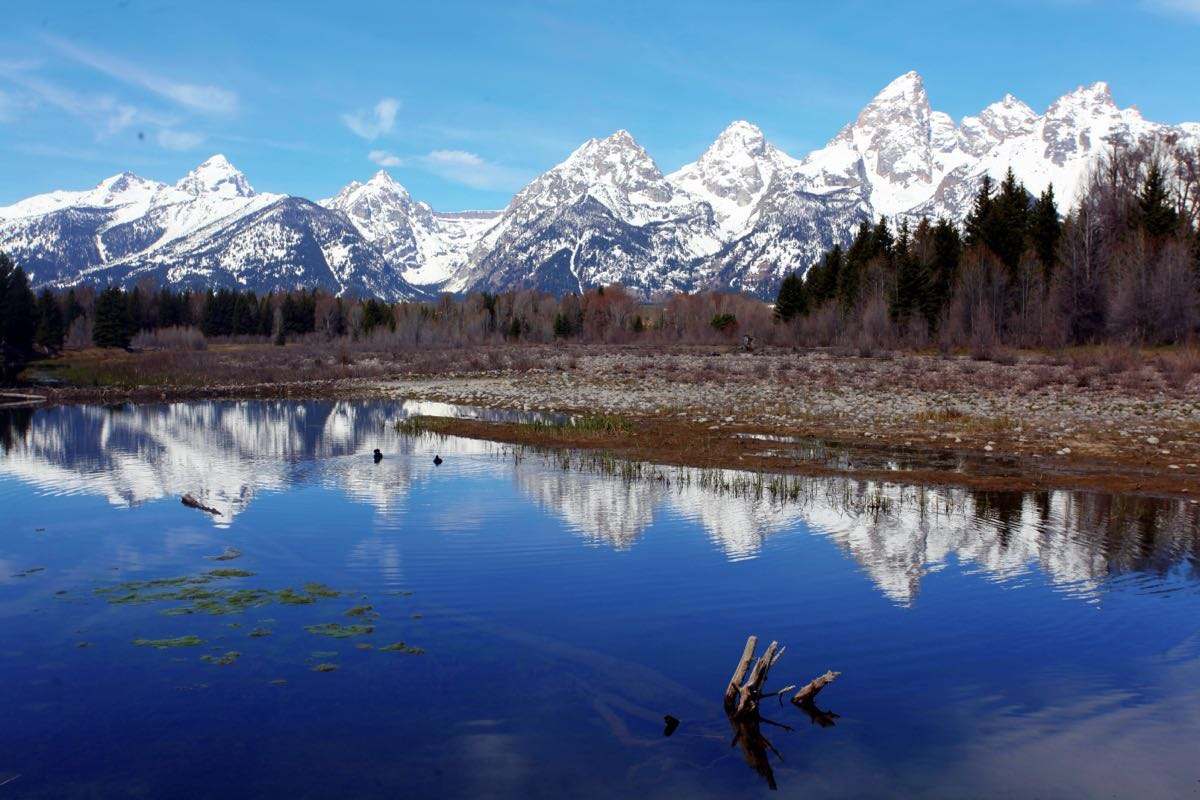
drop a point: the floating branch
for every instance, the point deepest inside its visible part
(191, 502)
(809, 691)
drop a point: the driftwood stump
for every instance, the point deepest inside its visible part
(744, 693)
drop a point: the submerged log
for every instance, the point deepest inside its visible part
(191, 502)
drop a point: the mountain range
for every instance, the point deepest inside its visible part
(740, 217)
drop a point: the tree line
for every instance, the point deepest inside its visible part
(1122, 266)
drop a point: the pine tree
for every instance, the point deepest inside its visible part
(245, 314)
(1155, 212)
(980, 212)
(73, 309)
(1004, 229)
(51, 332)
(137, 312)
(943, 269)
(912, 286)
(1045, 228)
(792, 299)
(111, 325)
(18, 319)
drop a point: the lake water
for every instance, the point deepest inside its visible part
(553, 609)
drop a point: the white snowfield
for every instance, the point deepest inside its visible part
(742, 216)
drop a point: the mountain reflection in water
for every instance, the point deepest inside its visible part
(227, 453)
(547, 610)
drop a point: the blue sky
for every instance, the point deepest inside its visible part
(464, 102)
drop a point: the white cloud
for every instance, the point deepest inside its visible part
(374, 123)
(178, 140)
(470, 169)
(211, 99)
(385, 159)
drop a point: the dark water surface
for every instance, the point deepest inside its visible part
(992, 645)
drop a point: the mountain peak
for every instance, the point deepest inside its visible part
(742, 135)
(1096, 97)
(908, 87)
(216, 176)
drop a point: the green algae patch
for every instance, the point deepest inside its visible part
(83, 645)
(339, 631)
(401, 647)
(225, 660)
(229, 572)
(365, 646)
(363, 612)
(199, 597)
(166, 644)
(278, 681)
(228, 554)
(260, 633)
(325, 668)
(25, 573)
(218, 602)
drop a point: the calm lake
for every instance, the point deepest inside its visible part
(552, 609)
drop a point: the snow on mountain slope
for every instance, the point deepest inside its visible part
(733, 174)
(126, 193)
(427, 247)
(291, 243)
(604, 214)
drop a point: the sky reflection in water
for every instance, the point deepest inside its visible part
(993, 644)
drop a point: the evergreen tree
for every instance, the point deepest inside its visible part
(1004, 229)
(111, 325)
(245, 315)
(73, 310)
(980, 212)
(942, 269)
(912, 285)
(18, 319)
(792, 299)
(850, 275)
(1045, 228)
(1154, 210)
(137, 311)
(51, 332)
(562, 325)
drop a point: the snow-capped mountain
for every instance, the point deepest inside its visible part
(604, 215)
(209, 229)
(429, 248)
(742, 216)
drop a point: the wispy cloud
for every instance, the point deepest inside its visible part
(179, 140)
(385, 159)
(459, 166)
(211, 99)
(1189, 9)
(373, 123)
(103, 113)
(470, 169)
